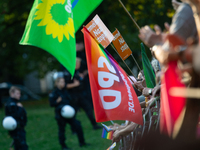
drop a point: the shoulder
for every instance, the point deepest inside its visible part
(11, 103)
(66, 73)
(184, 11)
(53, 93)
(183, 23)
(184, 7)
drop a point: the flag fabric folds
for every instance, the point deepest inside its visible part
(113, 95)
(82, 9)
(106, 134)
(147, 68)
(50, 26)
(172, 108)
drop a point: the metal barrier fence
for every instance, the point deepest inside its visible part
(151, 122)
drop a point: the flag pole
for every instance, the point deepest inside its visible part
(136, 62)
(111, 121)
(129, 15)
(119, 56)
(136, 26)
(124, 63)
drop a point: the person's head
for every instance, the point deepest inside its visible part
(60, 82)
(78, 63)
(79, 46)
(15, 92)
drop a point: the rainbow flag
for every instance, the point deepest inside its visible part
(107, 135)
(106, 127)
(112, 146)
(112, 93)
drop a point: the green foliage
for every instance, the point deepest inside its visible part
(145, 12)
(16, 61)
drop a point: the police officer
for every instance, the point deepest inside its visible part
(78, 92)
(59, 98)
(15, 109)
(80, 53)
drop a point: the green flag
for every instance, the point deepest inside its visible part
(148, 70)
(82, 9)
(50, 26)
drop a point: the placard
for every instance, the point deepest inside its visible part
(99, 31)
(120, 45)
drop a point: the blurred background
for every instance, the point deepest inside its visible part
(32, 68)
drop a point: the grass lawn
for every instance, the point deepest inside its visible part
(42, 130)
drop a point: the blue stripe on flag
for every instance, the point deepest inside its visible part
(74, 3)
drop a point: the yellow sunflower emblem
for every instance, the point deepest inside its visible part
(53, 15)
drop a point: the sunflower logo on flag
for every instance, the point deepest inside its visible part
(52, 14)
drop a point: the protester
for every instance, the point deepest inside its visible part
(15, 109)
(193, 52)
(183, 25)
(195, 5)
(175, 4)
(123, 131)
(59, 98)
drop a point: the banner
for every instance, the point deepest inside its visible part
(99, 31)
(120, 45)
(172, 108)
(113, 95)
(148, 70)
(82, 9)
(50, 26)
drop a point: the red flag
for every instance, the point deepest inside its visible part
(113, 95)
(172, 108)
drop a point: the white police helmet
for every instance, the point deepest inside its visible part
(67, 111)
(9, 123)
(58, 75)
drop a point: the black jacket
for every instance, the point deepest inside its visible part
(66, 99)
(17, 112)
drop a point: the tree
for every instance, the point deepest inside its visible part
(16, 60)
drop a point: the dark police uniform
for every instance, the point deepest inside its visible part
(83, 67)
(61, 121)
(19, 114)
(80, 97)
